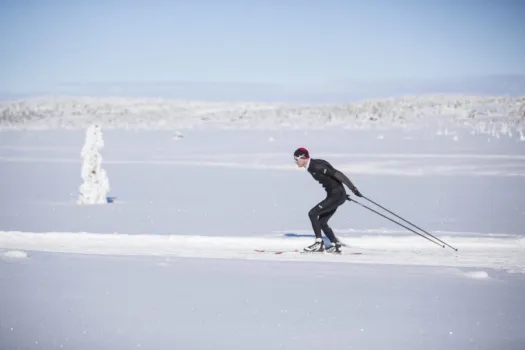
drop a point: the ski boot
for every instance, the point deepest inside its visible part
(334, 248)
(317, 247)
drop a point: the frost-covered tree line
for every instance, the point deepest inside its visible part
(80, 112)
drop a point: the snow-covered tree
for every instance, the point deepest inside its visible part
(95, 187)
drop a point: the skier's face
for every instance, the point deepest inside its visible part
(300, 161)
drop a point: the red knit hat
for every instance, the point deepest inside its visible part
(301, 153)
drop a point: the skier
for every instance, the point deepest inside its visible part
(332, 181)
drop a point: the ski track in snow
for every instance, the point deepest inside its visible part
(504, 252)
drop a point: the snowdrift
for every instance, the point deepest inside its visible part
(504, 252)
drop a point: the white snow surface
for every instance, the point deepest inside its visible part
(507, 253)
(171, 262)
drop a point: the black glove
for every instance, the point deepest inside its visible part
(357, 193)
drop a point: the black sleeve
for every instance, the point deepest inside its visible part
(344, 179)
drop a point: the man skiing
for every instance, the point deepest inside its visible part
(332, 181)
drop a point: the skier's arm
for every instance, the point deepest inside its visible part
(339, 176)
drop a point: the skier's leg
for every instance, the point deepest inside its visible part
(326, 206)
(313, 214)
(336, 245)
(338, 200)
(323, 220)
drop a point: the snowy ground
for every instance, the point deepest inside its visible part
(171, 263)
(106, 303)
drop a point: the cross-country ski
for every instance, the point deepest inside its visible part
(301, 252)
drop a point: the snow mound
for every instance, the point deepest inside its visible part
(477, 275)
(15, 254)
(503, 115)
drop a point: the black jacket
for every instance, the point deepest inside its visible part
(330, 178)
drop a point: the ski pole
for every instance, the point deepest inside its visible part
(368, 199)
(417, 233)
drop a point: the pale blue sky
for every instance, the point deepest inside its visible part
(47, 43)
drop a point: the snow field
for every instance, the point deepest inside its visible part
(171, 262)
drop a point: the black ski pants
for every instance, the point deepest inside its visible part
(323, 211)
